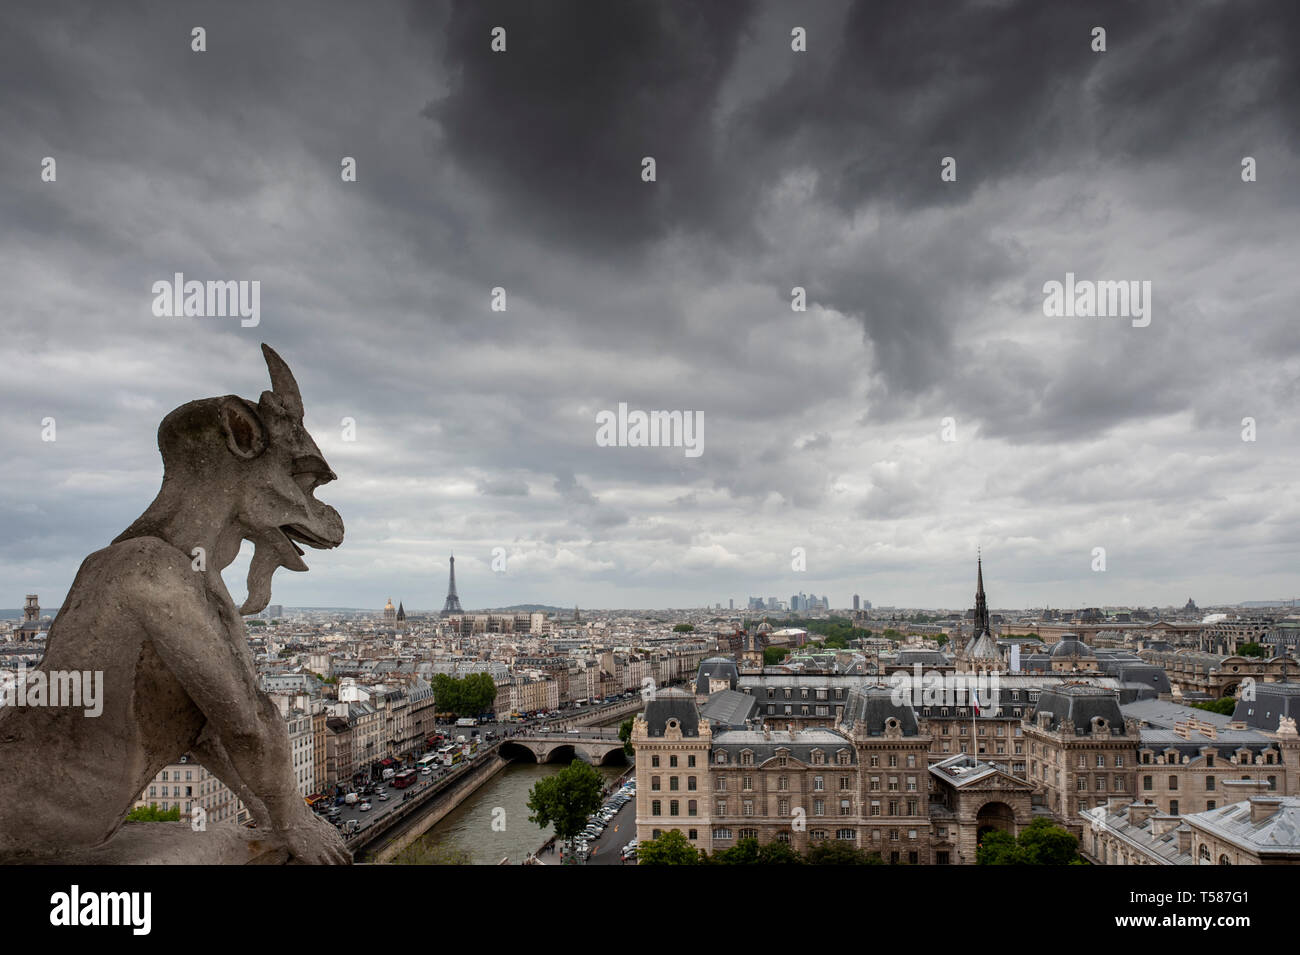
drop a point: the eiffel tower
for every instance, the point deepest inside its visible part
(452, 606)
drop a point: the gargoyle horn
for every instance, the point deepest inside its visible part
(283, 385)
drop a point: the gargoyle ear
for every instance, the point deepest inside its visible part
(243, 428)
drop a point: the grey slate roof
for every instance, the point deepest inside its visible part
(1272, 702)
(868, 707)
(717, 668)
(672, 704)
(1162, 848)
(799, 745)
(929, 658)
(1279, 834)
(1071, 646)
(1080, 703)
(729, 709)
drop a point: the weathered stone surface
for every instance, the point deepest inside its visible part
(152, 613)
(174, 843)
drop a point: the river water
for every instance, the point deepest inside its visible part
(504, 797)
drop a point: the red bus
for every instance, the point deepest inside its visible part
(405, 778)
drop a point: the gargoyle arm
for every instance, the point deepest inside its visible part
(189, 637)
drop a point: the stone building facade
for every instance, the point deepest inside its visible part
(868, 782)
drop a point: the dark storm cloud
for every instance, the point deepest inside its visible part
(556, 127)
(775, 169)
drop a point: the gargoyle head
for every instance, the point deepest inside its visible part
(261, 463)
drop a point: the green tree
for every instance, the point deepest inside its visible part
(565, 800)
(1048, 844)
(941, 639)
(151, 813)
(683, 628)
(464, 696)
(1041, 843)
(999, 848)
(777, 852)
(1253, 650)
(839, 852)
(671, 848)
(625, 734)
(1226, 706)
(744, 852)
(774, 655)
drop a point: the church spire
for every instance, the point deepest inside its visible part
(981, 622)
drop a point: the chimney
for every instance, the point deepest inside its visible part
(1185, 839)
(1162, 824)
(1263, 807)
(1139, 813)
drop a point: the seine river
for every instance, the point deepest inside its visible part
(469, 826)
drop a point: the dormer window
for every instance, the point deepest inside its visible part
(721, 758)
(747, 758)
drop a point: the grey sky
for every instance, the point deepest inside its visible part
(476, 429)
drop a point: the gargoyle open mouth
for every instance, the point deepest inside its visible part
(298, 534)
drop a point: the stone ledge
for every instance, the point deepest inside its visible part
(174, 843)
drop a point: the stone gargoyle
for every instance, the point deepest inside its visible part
(152, 614)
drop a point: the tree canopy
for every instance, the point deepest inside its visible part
(151, 813)
(774, 655)
(1041, 843)
(1226, 706)
(671, 848)
(464, 696)
(565, 799)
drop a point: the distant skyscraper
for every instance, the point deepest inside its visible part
(731, 604)
(452, 606)
(857, 602)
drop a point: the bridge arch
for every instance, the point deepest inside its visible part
(518, 752)
(561, 753)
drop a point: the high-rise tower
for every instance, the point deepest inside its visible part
(452, 606)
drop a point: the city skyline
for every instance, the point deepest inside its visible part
(924, 405)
